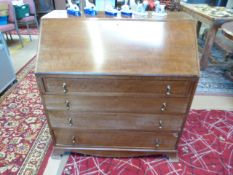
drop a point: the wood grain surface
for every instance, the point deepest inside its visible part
(118, 47)
(115, 121)
(117, 139)
(90, 85)
(116, 86)
(114, 104)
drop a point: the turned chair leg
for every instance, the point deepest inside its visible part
(27, 25)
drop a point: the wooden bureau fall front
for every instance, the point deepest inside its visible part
(116, 87)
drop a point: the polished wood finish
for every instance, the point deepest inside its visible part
(102, 46)
(84, 103)
(117, 85)
(118, 121)
(214, 22)
(114, 86)
(115, 139)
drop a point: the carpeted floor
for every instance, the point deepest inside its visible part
(15, 46)
(24, 134)
(213, 80)
(205, 148)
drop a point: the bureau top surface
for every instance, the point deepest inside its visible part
(109, 46)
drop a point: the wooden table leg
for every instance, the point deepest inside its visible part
(208, 45)
(210, 41)
(198, 28)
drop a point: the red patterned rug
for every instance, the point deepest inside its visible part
(24, 134)
(205, 148)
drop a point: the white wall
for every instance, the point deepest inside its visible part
(230, 4)
(100, 4)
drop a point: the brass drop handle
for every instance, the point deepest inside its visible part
(64, 87)
(168, 90)
(163, 108)
(73, 140)
(157, 143)
(67, 103)
(70, 122)
(160, 124)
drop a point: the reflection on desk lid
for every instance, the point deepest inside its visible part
(118, 46)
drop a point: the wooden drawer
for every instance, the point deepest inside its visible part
(109, 138)
(114, 85)
(120, 121)
(114, 104)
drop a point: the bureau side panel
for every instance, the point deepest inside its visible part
(41, 86)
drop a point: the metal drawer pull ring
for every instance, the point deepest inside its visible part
(67, 103)
(64, 87)
(70, 122)
(73, 140)
(168, 90)
(164, 105)
(157, 143)
(160, 124)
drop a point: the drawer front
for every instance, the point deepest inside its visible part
(102, 121)
(113, 104)
(114, 85)
(124, 139)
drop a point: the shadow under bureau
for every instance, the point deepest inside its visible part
(116, 87)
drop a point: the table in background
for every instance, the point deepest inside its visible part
(202, 13)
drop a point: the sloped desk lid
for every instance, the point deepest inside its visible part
(107, 46)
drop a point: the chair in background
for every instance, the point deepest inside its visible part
(31, 19)
(12, 22)
(227, 30)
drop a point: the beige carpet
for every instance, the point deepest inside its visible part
(20, 56)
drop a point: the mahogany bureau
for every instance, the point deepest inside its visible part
(116, 87)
